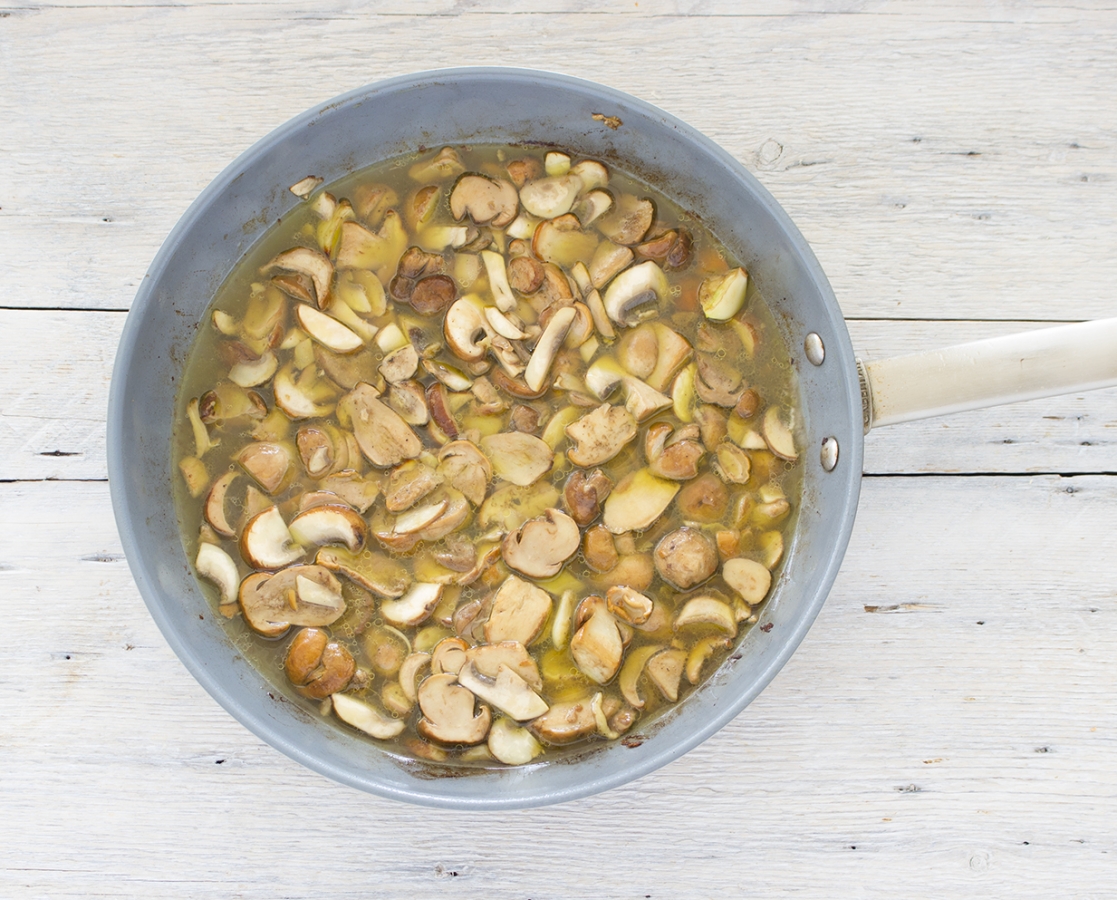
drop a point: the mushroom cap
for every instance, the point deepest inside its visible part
(486, 200)
(414, 606)
(565, 722)
(685, 558)
(466, 468)
(215, 565)
(464, 328)
(214, 509)
(635, 293)
(541, 546)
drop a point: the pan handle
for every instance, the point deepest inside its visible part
(1062, 360)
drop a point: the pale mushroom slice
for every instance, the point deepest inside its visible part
(214, 508)
(409, 673)
(519, 611)
(465, 328)
(487, 658)
(304, 187)
(408, 483)
(642, 400)
(562, 241)
(331, 524)
(384, 438)
(299, 595)
(367, 718)
(216, 566)
(507, 691)
(608, 261)
(267, 462)
(552, 196)
(665, 671)
(566, 722)
(628, 604)
(597, 646)
(600, 435)
(354, 489)
(508, 507)
(629, 221)
(512, 744)
(400, 365)
(415, 520)
(248, 373)
(487, 201)
(327, 330)
(631, 672)
(637, 501)
(778, 436)
(548, 345)
(312, 263)
(266, 542)
(519, 458)
(635, 294)
(447, 163)
(707, 613)
(414, 607)
(467, 469)
(375, 572)
(722, 296)
(750, 579)
(498, 280)
(304, 396)
(448, 712)
(540, 547)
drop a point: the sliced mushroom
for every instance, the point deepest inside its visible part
(433, 294)
(722, 296)
(248, 373)
(592, 206)
(638, 350)
(400, 365)
(512, 744)
(642, 400)
(413, 607)
(329, 525)
(685, 558)
(525, 274)
(508, 507)
(628, 604)
(519, 612)
(367, 717)
(358, 492)
(409, 400)
(598, 549)
(665, 671)
(637, 501)
(409, 673)
(304, 396)
(409, 483)
(540, 547)
(304, 187)
(215, 565)
(565, 722)
(487, 658)
(600, 435)
(583, 494)
(317, 666)
(673, 351)
(538, 367)
(670, 457)
(562, 241)
(632, 670)
(521, 459)
(778, 436)
(635, 294)
(214, 509)
(384, 438)
(629, 221)
(465, 467)
(299, 595)
(449, 655)
(507, 691)
(327, 330)
(732, 463)
(267, 462)
(748, 578)
(447, 163)
(597, 647)
(485, 200)
(706, 613)
(704, 500)
(552, 196)
(373, 571)
(266, 543)
(448, 712)
(312, 263)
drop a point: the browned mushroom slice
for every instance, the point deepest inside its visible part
(598, 549)
(638, 350)
(214, 509)
(372, 200)
(367, 718)
(448, 712)
(635, 294)
(637, 501)
(298, 595)
(217, 566)
(722, 296)
(717, 382)
(521, 459)
(373, 571)
(748, 578)
(312, 263)
(519, 612)
(441, 415)
(778, 436)
(384, 438)
(600, 435)
(409, 399)
(329, 525)
(433, 294)
(485, 200)
(525, 274)
(409, 483)
(703, 500)
(669, 457)
(565, 722)
(673, 352)
(267, 462)
(685, 558)
(552, 196)
(540, 547)
(597, 646)
(414, 606)
(465, 467)
(608, 261)
(358, 492)
(583, 494)
(445, 164)
(665, 671)
(506, 690)
(317, 666)
(465, 328)
(523, 170)
(713, 425)
(629, 220)
(592, 206)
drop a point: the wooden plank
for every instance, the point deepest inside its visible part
(54, 390)
(957, 740)
(953, 164)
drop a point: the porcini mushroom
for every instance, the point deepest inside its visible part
(215, 565)
(507, 691)
(487, 201)
(540, 547)
(600, 435)
(329, 525)
(266, 543)
(597, 647)
(384, 438)
(748, 578)
(448, 712)
(367, 717)
(519, 458)
(685, 558)
(413, 607)
(519, 612)
(634, 295)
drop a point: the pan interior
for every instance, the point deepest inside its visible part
(492, 106)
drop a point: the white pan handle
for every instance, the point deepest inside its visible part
(1063, 360)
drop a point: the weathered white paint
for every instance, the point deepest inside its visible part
(905, 751)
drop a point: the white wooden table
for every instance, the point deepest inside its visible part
(948, 728)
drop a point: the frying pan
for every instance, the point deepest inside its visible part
(841, 398)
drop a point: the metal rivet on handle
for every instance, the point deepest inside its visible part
(816, 352)
(829, 453)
